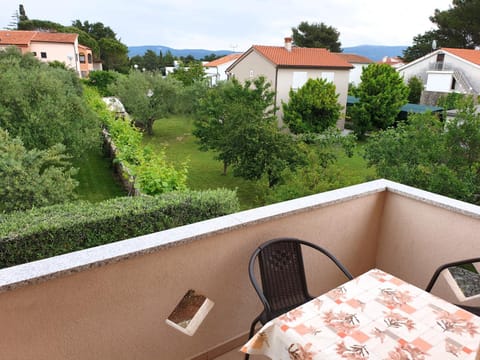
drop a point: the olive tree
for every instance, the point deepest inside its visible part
(147, 97)
(236, 121)
(44, 105)
(33, 178)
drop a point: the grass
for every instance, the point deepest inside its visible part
(96, 178)
(204, 172)
(175, 136)
(355, 168)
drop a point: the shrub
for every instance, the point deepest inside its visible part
(54, 230)
(313, 108)
(154, 174)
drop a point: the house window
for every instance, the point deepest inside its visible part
(34, 53)
(90, 58)
(440, 60)
(299, 79)
(43, 55)
(251, 74)
(454, 82)
(82, 58)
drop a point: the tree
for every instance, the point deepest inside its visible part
(316, 175)
(97, 30)
(147, 96)
(237, 122)
(313, 108)
(415, 86)
(425, 153)
(21, 11)
(151, 61)
(33, 178)
(188, 75)
(422, 45)
(44, 105)
(114, 55)
(168, 59)
(102, 80)
(457, 27)
(316, 35)
(100, 38)
(382, 93)
(459, 24)
(211, 57)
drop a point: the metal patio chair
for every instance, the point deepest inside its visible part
(283, 282)
(473, 309)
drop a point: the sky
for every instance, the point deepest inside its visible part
(237, 25)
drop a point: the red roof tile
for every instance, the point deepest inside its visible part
(355, 59)
(302, 57)
(55, 37)
(8, 37)
(83, 47)
(467, 54)
(222, 60)
(18, 37)
(391, 60)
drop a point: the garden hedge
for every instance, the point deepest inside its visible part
(44, 232)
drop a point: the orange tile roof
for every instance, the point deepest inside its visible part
(8, 37)
(302, 57)
(391, 60)
(68, 38)
(467, 54)
(222, 60)
(19, 37)
(83, 47)
(355, 59)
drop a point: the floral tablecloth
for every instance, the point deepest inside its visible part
(374, 316)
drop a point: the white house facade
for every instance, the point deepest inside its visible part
(446, 70)
(358, 62)
(216, 70)
(288, 67)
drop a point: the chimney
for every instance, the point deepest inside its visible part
(288, 43)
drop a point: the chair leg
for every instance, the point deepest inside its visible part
(252, 332)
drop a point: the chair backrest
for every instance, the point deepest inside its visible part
(439, 270)
(282, 273)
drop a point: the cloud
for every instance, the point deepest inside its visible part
(219, 25)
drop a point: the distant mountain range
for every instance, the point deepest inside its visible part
(196, 53)
(373, 52)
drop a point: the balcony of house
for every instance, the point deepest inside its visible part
(111, 302)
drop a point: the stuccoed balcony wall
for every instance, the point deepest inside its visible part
(111, 301)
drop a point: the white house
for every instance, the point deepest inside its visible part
(216, 70)
(358, 62)
(446, 70)
(289, 67)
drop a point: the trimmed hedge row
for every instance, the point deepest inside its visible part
(40, 233)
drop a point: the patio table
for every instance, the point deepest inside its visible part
(374, 316)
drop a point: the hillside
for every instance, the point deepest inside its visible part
(373, 52)
(196, 53)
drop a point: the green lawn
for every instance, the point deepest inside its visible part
(175, 136)
(204, 172)
(355, 168)
(98, 183)
(96, 179)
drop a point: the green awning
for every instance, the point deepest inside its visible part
(408, 108)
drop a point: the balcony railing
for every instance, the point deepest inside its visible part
(111, 301)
